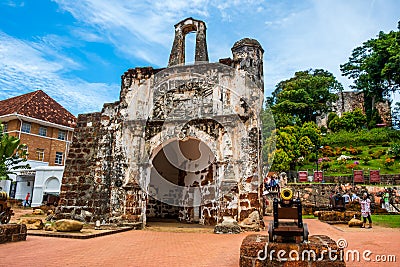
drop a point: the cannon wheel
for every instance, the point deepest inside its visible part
(271, 232)
(5, 218)
(305, 232)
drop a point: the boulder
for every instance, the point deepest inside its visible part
(32, 223)
(355, 223)
(48, 227)
(38, 212)
(228, 226)
(66, 225)
(252, 222)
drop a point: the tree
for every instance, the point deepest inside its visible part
(304, 97)
(375, 68)
(350, 121)
(12, 154)
(291, 143)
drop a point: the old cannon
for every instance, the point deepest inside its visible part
(288, 222)
(5, 208)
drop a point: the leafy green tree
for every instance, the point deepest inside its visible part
(375, 68)
(12, 154)
(304, 97)
(350, 121)
(291, 143)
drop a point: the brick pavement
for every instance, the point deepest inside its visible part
(149, 248)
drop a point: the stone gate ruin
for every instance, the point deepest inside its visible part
(182, 142)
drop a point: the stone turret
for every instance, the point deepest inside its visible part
(248, 56)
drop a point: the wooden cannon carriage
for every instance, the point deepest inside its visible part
(288, 222)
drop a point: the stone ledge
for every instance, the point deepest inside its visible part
(254, 246)
(12, 232)
(79, 235)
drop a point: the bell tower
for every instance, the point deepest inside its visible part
(177, 56)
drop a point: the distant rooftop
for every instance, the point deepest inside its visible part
(38, 105)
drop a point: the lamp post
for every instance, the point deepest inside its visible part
(317, 147)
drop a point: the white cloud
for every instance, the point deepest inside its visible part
(322, 35)
(295, 36)
(27, 66)
(143, 29)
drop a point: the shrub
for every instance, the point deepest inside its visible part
(378, 154)
(366, 160)
(353, 151)
(325, 165)
(394, 150)
(388, 162)
(328, 151)
(351, 166)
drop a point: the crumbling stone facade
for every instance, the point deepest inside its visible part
(182, 142)
(349, 101)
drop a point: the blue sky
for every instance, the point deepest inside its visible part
(76, 51)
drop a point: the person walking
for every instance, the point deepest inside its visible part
(366, 210)
(386, 199)
(28, 196)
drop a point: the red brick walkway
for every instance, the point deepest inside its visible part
(148, 248)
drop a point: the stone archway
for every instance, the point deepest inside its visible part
(52, 185)
(179, 170)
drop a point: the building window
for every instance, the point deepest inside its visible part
(42, 131)
(59, 158)
(26, 127)
(5, 127)
(61, 135)
(40, 154)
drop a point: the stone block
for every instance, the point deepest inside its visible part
(355, 223)
(227, 228)
(66, 225)
(32, 223)
(12, 232)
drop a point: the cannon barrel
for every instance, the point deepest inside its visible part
(286, 194)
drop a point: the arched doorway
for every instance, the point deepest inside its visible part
(180, 169)
(51, 191)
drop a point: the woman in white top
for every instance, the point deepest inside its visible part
(366, 210)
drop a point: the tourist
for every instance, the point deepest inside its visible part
(266, 183)
(386, 199)
(346, 198)
(366, 210)
(354, 197)
(274, 184)
(27, 199)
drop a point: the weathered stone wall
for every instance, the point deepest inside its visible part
(118, 154)
(12, 232)
(349, 101)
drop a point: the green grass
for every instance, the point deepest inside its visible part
(392, 221)
(309, 216)
(337, 169)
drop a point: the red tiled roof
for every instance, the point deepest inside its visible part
(38, 105)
